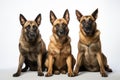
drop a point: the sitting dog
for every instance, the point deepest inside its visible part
(90, 56)
(31, 46)
(60, 59)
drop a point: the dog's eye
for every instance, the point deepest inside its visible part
(28, 27)
(34, 28)
(64, 25)
(83, 22)
(57, 26)
(90, 21)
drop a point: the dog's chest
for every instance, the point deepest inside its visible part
(61, 57)
(30, 52)
(60, 54)
(60, 61)
(60, 51)
(32, 56)
(90, 53)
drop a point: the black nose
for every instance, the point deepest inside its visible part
(61, 31)
(32, 34)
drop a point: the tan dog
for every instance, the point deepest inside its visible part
(31, 46)
(90, 56)
(60, 59)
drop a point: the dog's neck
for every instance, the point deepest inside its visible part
(87, 40)
(60, 41)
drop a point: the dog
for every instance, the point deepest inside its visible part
(60, 59)
(90, 56)
(31, 46)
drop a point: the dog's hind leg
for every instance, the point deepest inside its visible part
(25, 68)
(107, 68)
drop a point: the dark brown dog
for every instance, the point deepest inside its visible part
(60, 59)
(90, 56)
(31, 46)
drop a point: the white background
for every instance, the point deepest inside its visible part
(10, 29)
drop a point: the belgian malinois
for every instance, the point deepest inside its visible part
(60, 59)
(90, 56)
(31, 46)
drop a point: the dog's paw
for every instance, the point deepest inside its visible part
(75, 73)
(109, 70)
(48, 75)
(40, 74)
(16, 75)
(104, 75)
(56, 72)
(24, 70)
(70, 75)
(63, 72)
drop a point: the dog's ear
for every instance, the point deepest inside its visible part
(38, 19)
(52, 17)
(79, 15)
(95, 14)
(22, 19)
(66, 15)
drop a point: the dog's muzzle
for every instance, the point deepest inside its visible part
(60, 32)
(32, 36)
(88, 29)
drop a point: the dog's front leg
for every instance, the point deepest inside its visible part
(39, 62)
(78, 63)
(21, 61)
(50, 65)
(100, 61)
(69, 65)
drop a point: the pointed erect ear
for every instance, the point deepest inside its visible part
(66, 15)
(95, 14)
(79, 15)
(38, 19)
(52, 17)
(22, 20)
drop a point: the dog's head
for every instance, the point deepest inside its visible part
(30, 28)
(87, 23)
(60, 26)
